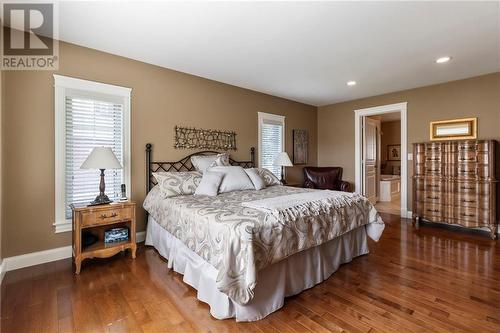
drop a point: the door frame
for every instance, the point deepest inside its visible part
(358, 120)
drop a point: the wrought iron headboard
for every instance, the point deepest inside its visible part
(183, 164)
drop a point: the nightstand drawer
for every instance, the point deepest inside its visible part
(107, 216)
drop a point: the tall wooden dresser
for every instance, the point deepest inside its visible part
(454, 182)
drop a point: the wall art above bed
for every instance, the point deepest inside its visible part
(196, 138)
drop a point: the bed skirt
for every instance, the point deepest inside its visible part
(282, 279)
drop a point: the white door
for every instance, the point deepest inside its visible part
(371, 128)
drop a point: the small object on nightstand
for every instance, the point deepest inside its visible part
(98, 220)
(88, 238)
(124, 193)
(116, 235)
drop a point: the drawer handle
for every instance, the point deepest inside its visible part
(467, 159)
(433, 210)
(433, 198)
(433, 170)
(466, 188)
(104, 216)
(433, 159)
(433, 185)
(467, 171)
(468, 201)
(468, 215)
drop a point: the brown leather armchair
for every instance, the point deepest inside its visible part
(325, 178)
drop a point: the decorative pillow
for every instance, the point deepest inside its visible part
(173, 184)
(202, 163)
(269, 178)
(256, 178)
(221, 160)
(209, 184)
(235, 179)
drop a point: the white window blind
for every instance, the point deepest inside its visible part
(90, 123)
(271, 141)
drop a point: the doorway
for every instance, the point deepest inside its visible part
(381, 158)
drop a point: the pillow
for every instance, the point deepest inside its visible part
(221, 160)
(235, 179)
(173, 184)
(209, 184)
(256, 178)
(202, 163)
(269, 178)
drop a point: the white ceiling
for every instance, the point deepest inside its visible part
(300, 51)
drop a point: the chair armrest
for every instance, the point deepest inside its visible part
(345, 186)
(308, 184)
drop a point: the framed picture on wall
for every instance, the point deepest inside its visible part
(300, 146)
(394, 152)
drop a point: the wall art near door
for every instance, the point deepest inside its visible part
(394, 152)
(456, 129)
(196, 138)
(300, 146)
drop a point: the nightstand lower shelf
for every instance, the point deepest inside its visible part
(96, 220)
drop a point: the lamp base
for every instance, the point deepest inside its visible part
(101, 199)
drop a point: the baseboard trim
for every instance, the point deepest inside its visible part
(2, 270)
(42, 257)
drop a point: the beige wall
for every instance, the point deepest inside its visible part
(391, 135)
(161, 99)
(474, 97)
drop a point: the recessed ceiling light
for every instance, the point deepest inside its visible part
(351, 83)
(442, 60)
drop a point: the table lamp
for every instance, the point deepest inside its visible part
(101, 158)
(283, 161)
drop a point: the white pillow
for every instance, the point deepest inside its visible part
(172, 184)
(221, 160)
(256, 178)
(202, 163)
(209, 184)
(269, 178)
(235, 179)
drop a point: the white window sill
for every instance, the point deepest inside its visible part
(63, 226)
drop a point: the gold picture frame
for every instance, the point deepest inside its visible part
(455, 129)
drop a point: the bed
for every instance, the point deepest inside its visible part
(244, 255)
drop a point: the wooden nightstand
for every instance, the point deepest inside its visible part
(97, 219)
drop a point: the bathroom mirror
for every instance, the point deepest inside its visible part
(456, 129)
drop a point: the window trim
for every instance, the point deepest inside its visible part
(262, 116)
(61, 85)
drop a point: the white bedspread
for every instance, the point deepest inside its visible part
(240, 241)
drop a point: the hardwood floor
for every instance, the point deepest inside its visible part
(428, 280)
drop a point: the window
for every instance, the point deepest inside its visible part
(88, 114)
(271, 141)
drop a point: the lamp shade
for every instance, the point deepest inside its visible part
(283, 160)
(101, 158)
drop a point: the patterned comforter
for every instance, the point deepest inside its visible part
(239, 241)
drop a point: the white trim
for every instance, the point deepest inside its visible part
(261, 116)
(2, 270)
(140, 236)
(358, 117)
(37, 258)
(42, 257)
(62, 86)
(67, 82)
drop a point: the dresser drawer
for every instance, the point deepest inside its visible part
(472, 216)
(476, 188)
(430, 197)
(472, 200)
(107, 216)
